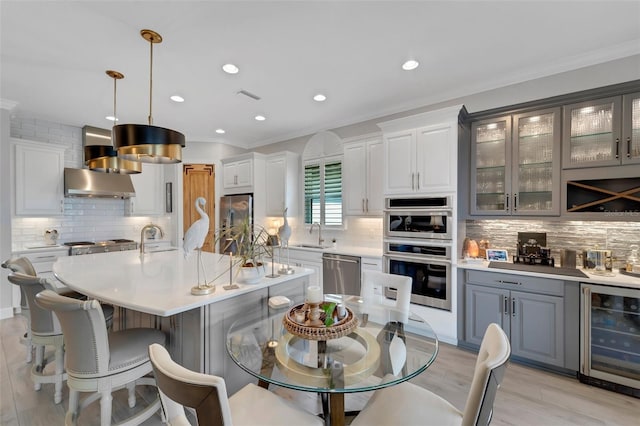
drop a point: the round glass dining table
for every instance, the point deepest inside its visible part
(386, 348)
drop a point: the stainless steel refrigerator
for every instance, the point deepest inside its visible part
(234, 209)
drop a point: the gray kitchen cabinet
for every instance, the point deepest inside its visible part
(38, 177)
(529, 309)
(602, 132)
(516, 164)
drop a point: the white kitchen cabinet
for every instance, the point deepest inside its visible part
(282, 176)
(149, 186)
(39, 178)
(305, 259)
(420, 153)
(239, 172)
(363, 180)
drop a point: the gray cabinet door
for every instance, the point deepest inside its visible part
(537, 327)
(484, 305)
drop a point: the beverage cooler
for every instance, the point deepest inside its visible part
(610, 338)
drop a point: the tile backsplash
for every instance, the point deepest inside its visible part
(576, 235)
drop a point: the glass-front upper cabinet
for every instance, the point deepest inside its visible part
(491, 151)
(516, 164)
(536, 163)
(630, 129)
(591, 134)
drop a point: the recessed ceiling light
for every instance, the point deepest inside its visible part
(411, 64)
(319, 97)
(230, 69)
(260, 117)
(177, 98)
(220, 131)
(111, 118)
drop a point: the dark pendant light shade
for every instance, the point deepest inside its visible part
(100, 156)
(104, 158)
(148, 143)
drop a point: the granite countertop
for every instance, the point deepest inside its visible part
(614, 278)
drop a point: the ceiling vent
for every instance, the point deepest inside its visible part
(248, 94)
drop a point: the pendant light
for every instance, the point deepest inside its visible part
(148, 143)
(104, 158)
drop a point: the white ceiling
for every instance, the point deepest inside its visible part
(54, 55)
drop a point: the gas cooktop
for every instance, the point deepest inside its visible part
(89, 247)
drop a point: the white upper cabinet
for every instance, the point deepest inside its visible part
(421, 153)
(363, 179)
(149, 186)
(39, 178)
(282, 172)
(238, 173)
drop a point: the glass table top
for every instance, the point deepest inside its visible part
(386, 348)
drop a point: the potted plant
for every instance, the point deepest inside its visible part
(249, 244)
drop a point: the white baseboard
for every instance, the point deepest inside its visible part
(6, 313)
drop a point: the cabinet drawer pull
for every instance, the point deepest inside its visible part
(363, 205)
(509, 282)
(367, 210)
(515, 202)
(617, 147)
(46, 257)
(418, 181)
(628, 147)
(513, 307)
(506, 202)
(505, 305)
(413, 181)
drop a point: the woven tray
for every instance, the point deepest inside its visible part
(339, 328)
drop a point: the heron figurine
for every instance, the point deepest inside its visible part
(193, 240)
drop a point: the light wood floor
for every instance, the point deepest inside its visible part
(527, 396)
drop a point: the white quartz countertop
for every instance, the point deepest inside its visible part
(342, 249)
(159, 283)
(614, 279)
(38, 248)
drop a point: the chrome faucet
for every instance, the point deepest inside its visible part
(320, 239)
(144, 228)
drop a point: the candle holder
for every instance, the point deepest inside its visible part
(314, 315)
(285, 269)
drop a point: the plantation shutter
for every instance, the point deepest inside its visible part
(312, 192)
(333, 193)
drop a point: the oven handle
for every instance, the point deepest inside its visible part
(419, 259)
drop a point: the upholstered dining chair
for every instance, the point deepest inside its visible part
(207, 394)
(374, 284)
(101, 362)
(409, 405)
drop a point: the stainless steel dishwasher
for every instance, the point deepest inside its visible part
(340, 274)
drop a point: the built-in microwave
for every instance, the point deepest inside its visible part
(428, 217)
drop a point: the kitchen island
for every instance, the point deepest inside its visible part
(159, 285)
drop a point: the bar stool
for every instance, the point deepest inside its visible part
(45, 331)
(101, 362)
(23, 265)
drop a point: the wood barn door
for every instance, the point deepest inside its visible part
(199, 181)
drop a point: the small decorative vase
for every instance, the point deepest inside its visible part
(251, 274)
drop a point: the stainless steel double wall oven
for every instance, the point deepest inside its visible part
(417, 243)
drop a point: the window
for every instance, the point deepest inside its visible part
(323, 192)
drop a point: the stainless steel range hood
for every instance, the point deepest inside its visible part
(85, 183)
